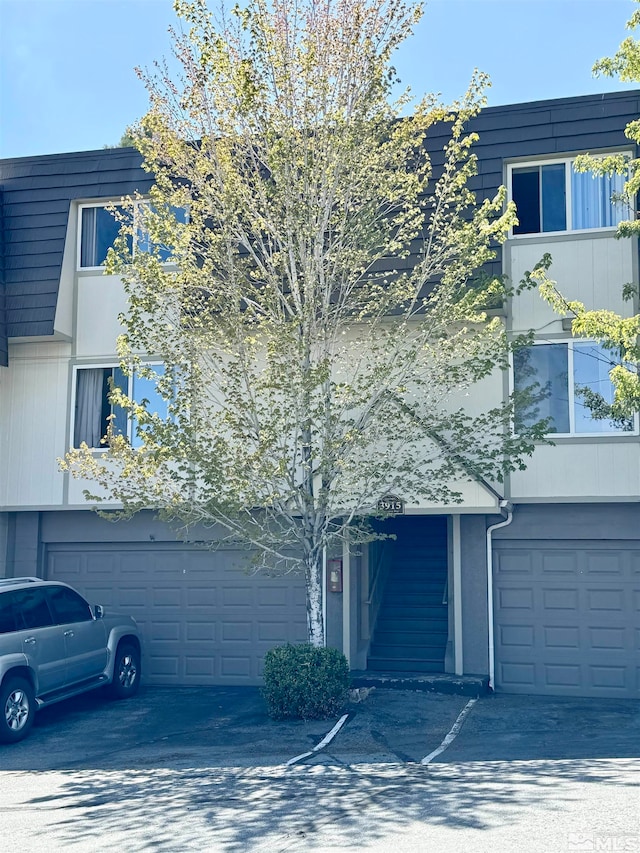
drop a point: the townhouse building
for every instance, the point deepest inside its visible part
(534, 586)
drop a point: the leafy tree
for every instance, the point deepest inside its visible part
(127, 140)
(618, 334)
(319, 321)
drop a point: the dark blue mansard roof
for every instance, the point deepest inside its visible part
(36, 192)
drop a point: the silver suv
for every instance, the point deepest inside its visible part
(53, 645)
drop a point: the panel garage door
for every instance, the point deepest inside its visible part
(203, 620)
(567, 617)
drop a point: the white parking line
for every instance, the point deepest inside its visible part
(455, 728)
(325, 740)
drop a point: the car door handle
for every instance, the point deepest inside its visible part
(68, 633)
(30, 641)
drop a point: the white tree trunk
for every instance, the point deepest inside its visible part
(313, 578)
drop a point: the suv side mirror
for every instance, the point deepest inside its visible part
(98, 611)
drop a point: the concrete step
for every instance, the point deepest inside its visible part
(458, 685)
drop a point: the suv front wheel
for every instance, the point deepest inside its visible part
(126, 673)
(17, 709)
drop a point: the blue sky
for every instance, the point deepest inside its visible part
(66, 66)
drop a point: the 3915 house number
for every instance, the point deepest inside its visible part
(391, 505)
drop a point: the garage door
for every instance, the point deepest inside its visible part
(203, 620)
(567, 618)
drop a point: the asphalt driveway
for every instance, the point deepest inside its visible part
(230, 726)
(205, 769)
(176, 727)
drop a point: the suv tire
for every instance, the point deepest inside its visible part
(17, 709)
(126, 671)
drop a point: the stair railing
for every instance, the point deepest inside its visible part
(379, 572)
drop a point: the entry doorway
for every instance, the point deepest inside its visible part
(408, 593)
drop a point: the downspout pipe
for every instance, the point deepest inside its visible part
(324, 595)
(505, 507)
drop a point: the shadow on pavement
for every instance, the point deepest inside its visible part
(265, 808)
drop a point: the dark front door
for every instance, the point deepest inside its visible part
(410, 634)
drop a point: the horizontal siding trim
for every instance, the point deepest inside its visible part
(41, 273)
(39, 285)
(16, 303)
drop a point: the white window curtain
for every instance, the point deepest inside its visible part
(89, 398)
(88, 237)
(591, 202)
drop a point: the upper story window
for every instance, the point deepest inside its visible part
(553, 197)
(557, 378)
(94, 410)
(99, 229)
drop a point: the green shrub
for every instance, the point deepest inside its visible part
(305, 681)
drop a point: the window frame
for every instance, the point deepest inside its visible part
(570, 343)
(567, 160)
(116, 202)
(111, 365)
(85, 206)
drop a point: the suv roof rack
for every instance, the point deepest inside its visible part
(10, 581)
